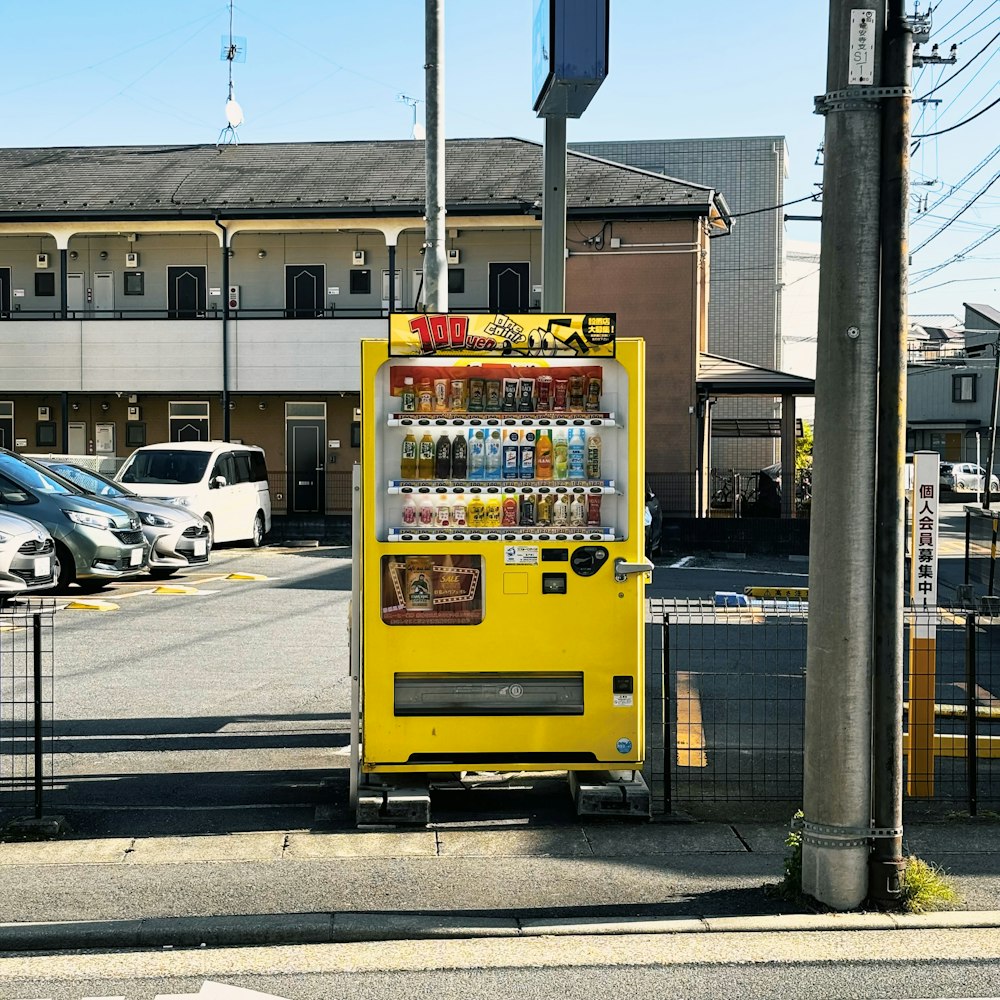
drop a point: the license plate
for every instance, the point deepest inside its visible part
(200, 546)
(43, 566)
(135, 559)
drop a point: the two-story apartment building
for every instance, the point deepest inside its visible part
(168, 292)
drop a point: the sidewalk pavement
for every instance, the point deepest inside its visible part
(309, 887)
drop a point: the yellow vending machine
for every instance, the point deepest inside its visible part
(499, 553)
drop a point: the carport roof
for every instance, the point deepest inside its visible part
(719, 376)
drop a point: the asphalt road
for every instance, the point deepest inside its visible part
(699, 966)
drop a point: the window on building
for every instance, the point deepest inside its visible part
(45, 284)
(963, 388)
(356, 434)
(456, 280)
(361, 282)
(135, 282)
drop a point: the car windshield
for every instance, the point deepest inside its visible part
(34, 477)
(91, 482)
(167, 467)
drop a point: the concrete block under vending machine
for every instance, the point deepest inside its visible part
(385, 805)
(610, 793)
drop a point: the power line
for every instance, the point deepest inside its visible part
(774, 208)
(971, 118)
(961, 68)
(967, 24)
(960, 212)
(925, 274)
(955, 16)
(972, 173)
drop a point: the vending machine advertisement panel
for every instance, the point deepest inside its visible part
(501, 545)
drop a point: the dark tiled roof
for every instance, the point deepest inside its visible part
(345, 178)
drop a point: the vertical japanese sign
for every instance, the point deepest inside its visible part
(925, 502)
(862, 48)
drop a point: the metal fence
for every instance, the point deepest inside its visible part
(731, 493)
(26, 700)
(726, 702)
(336, 495)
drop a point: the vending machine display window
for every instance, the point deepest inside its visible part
(432, 589)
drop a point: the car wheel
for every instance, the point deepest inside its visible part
(257, 538)
(64, 569)
(210, 541)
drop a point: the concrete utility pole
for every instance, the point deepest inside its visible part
(890, 514)
(837, 766)
(435, 262)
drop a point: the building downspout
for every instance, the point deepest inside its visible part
(225, 331)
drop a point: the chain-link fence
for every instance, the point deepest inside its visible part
(26, 699)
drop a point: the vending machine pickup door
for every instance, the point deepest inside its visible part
(623, 568)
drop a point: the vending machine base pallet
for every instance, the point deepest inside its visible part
(610, 793)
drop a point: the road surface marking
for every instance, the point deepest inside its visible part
(690, 732)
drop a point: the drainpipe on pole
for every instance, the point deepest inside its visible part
(225, 332)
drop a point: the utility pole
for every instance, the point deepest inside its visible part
(554, 215)
(890, 514)
(435, 262)
(837, 766)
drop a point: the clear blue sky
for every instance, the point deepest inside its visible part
(150, 72)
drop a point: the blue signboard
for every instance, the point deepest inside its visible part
(570, 55)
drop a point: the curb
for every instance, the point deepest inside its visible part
(341, 928)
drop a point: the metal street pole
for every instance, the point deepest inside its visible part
(890, 515)
(837, 764)
(435, 262)
(554, 215)
(987, 492)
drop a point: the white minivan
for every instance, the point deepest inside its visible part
(224, 483)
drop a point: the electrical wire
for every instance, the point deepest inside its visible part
(960, 212)
(985, 161)
(961, 255)
(774, 208)
(967, 24)
(954, 16)
(971, 118)
(961, 69)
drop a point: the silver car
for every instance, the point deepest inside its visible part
(966, 477)
(27, 556)
(177, 538)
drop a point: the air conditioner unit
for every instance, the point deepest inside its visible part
(358, 258)
(43, 413)
(41, 260)
(131, 259)
(454, 256)
(234, 296)
(135, 413)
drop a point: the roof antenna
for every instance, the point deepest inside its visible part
(418, 131)
(233, 50)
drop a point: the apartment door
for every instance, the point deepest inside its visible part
(953, 446)
(305, 448)
(186, 292)
(305, 297)
(509, 289)
(74, 295)
(77, 438)
(4, 292)
(104, 292)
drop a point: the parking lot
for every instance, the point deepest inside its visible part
(216, 700)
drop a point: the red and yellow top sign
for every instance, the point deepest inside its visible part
(526, 335)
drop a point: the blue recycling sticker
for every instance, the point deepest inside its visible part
(624, 745)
